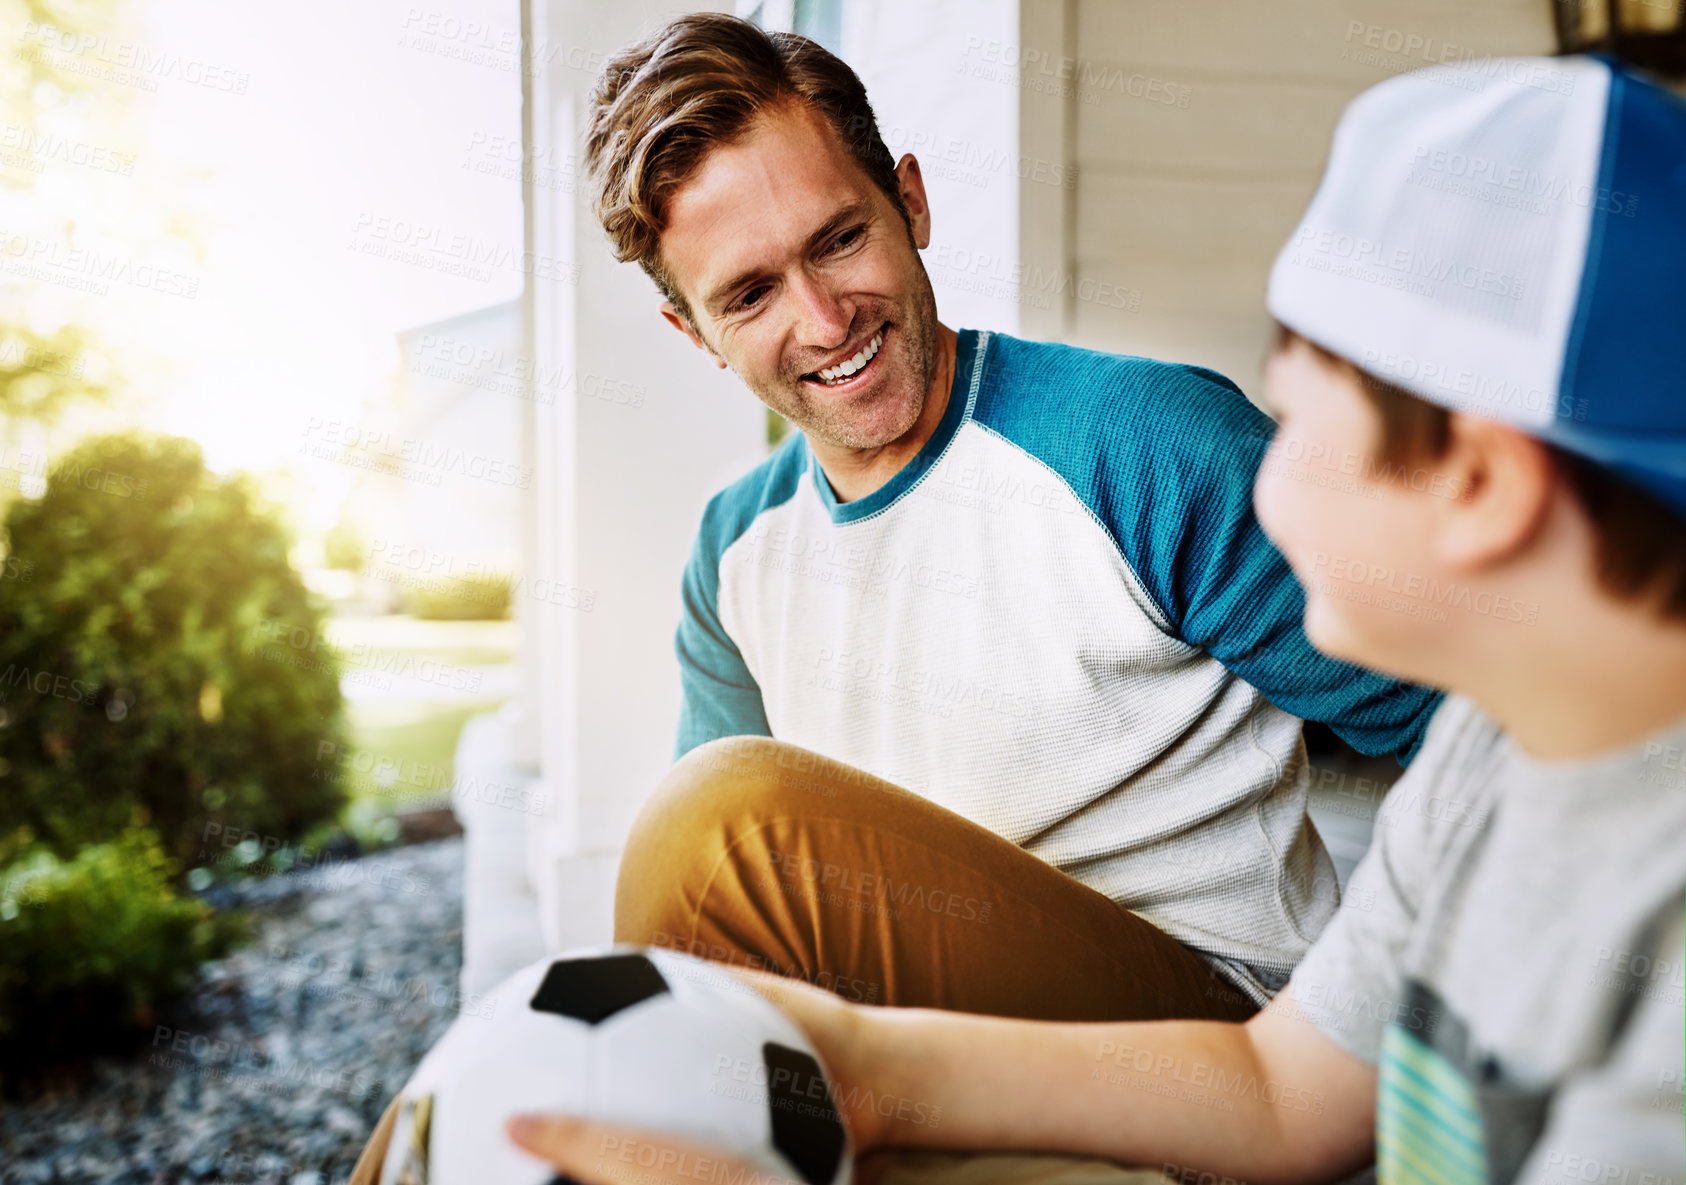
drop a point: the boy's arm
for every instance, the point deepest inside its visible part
(1270, 1100)
(920, 1077)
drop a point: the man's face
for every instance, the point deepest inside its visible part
(1358, 538)
(797, 267)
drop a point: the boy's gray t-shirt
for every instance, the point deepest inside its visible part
(1509, 954)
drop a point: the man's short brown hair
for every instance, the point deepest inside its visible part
(694, 84)
(1641, 542)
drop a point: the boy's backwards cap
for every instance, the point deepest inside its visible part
(1507, 237)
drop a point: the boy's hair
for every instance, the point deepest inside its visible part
(661, 104)
(1641, 542)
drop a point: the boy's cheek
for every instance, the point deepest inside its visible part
(1281, 504)
(1338, 625)
(1318, 525)
(1324, 626)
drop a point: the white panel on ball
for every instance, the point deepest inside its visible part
(647, 1039)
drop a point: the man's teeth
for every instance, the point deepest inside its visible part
(836, 374)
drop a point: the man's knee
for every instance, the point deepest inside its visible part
(704, 789)
(748, 777)
(711, 796)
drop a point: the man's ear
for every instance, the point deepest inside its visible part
(678, 320)
(1505, 482)
(911, 183)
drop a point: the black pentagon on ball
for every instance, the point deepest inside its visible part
(593, 989)
(807, 1130)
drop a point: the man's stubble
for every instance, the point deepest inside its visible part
(913, 351)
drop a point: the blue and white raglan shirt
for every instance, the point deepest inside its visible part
(1062, 621)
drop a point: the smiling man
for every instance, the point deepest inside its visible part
(1014, 681)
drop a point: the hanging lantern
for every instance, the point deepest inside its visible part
(1650, 34)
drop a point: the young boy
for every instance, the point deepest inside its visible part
(1484, 321)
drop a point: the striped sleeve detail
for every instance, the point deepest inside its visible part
(1428, 1120)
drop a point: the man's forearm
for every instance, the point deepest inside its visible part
(1193, 1094)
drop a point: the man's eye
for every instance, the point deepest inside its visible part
(844, 240)
(750, 298)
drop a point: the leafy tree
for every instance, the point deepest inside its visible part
(43, 373)
(61, 106)
(151, 665)
(345, 546)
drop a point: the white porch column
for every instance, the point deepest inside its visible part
(641, 431)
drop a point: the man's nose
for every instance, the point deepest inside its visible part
(823, 317)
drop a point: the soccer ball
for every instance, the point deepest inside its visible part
(644, 1038)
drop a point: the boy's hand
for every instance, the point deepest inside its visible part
(596, 1153)
(841, 1032)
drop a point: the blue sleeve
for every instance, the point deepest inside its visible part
(1165, 456)
(1227, 589)
(720, 696)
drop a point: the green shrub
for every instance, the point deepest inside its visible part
(344, 546)
(139, 602)
(457, 599)
(91, 947)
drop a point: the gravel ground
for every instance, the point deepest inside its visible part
(276, 1070)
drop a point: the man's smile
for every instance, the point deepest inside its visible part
(852, 370)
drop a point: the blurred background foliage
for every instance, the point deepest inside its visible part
(154, 700)
(93, 944)
(480, 599)
(141, 711)
(141, 719)
(132, 664)
(50, 362)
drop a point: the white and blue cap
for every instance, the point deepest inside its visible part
(1507, 237)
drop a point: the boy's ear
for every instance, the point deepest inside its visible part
(678, 320)
(1504, 482)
